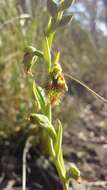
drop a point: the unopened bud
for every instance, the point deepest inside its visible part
(73, 172)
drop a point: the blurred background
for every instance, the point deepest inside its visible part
(83, 46)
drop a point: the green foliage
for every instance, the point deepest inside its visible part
(40, 97)
(58, 145)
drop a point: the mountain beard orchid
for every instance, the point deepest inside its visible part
(49, 136)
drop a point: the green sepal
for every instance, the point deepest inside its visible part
(65, 4)
(52, 7)
(44, 122)
(47, 53)
(40, 96)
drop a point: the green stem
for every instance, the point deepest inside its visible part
(61, 173)
(58, 162)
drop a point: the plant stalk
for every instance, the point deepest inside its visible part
(57, 162)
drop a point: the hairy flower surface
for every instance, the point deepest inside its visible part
(56, 85)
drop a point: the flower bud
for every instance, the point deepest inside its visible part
(73, 172)
(28, 59)
(44, 122)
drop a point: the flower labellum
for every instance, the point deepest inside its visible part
(56, 86)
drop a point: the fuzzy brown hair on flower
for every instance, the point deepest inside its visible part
(56, 85)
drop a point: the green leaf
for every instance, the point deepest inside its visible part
(48, 111)
(40, 96)
(47, 53)
(52, 7)
(44, 122)
(65, 4)
(66, 19)
(58, 145)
